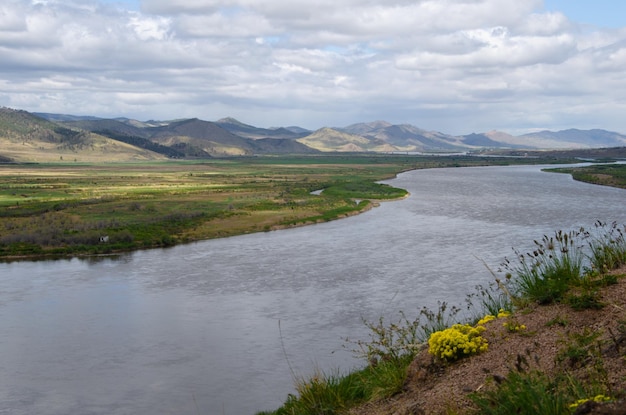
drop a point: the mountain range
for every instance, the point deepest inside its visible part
(28, 136)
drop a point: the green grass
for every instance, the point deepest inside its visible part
(603, 174)
(364, 190)
(527, 393)
(63, 209)
(334, 394)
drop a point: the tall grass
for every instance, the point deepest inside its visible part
(545, 274)
(607, 246)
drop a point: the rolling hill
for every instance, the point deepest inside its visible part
(329, 139)
(25, 137)
(406, 137)
(255, 133)
(46, 136)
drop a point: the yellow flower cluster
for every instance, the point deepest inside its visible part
(485, 319)
(597, 398)
(456, 342)
(501, 314)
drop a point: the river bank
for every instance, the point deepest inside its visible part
(557, 342)
(563, 354)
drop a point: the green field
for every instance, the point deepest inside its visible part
(67, 209)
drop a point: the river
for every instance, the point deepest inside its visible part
(213, 327)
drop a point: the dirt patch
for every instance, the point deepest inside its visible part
(433, 388)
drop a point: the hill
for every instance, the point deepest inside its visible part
(255, 133)
(406, 137)
(281, 146)
(329, 139)
(195, 138)
(198, 138)
(25, 137)
(574, 138)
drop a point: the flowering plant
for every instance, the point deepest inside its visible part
(456, 342)
(597, 398)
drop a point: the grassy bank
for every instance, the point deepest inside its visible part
(66, 209)
(603, 174)
(547, 337)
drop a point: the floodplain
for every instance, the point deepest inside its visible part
(71, 209)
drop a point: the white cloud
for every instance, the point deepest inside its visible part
(450, 65)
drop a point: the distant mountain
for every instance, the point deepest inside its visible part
(298, 130)
(492, 139)
(195, 138)
(281, 146)
(27, 137)
(189, 138)
(63, 117)
(329, 139)
(119, 126)
(574, 138)
(405, 137)
(202, 135)
(365, 128)
(249, 131)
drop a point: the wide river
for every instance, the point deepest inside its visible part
(213, 327)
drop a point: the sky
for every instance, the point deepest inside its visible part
(454, 66)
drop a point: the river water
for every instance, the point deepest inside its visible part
(217, 327)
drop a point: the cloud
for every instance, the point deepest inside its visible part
(450, 65)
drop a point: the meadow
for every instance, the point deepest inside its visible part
(70, 209)
(61, 209)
